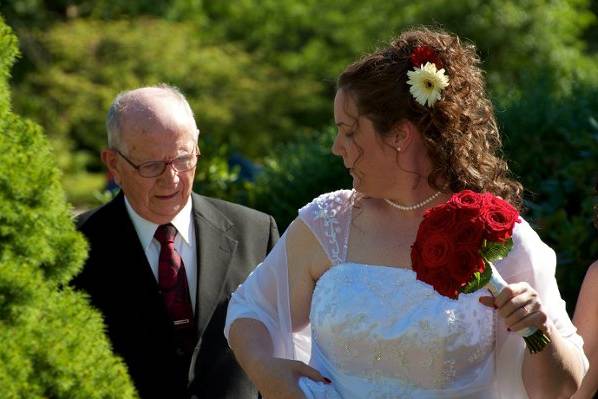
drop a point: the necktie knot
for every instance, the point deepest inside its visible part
(165, 234)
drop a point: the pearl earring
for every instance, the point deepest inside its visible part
(398, 149)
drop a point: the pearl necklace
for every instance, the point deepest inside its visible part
(412, 207)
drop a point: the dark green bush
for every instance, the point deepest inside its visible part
(297, 173)
(53, 345)
(553, 144)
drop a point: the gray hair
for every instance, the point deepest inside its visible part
(119, 105)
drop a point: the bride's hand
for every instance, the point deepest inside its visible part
(520, 307)
(280, 378)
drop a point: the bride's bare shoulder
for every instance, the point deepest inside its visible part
(304, 250)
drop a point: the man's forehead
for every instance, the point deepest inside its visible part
(157, 113)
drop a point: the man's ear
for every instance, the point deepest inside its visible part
(109, 158)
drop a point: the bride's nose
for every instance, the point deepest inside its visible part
(337, 148)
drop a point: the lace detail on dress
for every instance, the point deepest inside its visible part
(327, 216)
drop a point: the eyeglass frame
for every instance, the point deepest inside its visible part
(166, 163)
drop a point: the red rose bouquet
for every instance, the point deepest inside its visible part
(458, 243)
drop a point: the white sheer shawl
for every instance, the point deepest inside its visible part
(264, 296)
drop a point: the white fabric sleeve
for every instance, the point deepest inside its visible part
(264, 296)
(530, 260)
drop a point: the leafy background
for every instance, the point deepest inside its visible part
(260, 76)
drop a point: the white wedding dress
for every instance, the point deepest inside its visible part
(378, 332)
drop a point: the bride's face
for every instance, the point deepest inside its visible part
(371, 160)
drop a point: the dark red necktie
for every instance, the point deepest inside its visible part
(172, 280)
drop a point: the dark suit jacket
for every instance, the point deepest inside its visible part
(231, 241)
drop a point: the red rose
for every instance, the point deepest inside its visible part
(466, 261)
(499, 218)
(442, 282)
(436, 250)
(435, 274)
(467, 201)
(443, 218)
(423, 54)
(416, 257)
(469, 231)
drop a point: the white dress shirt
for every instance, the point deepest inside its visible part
(184, 243)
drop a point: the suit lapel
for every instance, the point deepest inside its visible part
(129, 246)
(215, 252)
(134, 266)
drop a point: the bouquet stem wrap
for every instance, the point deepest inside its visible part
(535, 339)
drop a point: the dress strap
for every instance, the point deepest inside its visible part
(328, 217)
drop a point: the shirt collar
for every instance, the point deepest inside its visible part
(146, 229)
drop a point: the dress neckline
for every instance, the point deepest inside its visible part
(348, 263)
(366, 266)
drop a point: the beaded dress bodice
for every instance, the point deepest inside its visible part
(381, 333)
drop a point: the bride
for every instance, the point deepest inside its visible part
(335, 311)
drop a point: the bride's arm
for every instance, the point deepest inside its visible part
(532, 299)
(251, 340)
(555, 372)
(586, 320)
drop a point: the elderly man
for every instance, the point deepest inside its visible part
(163, 260)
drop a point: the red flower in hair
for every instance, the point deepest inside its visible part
(423, 54)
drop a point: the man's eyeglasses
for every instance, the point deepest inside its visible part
(156, 168)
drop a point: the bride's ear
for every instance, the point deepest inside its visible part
(403, 134)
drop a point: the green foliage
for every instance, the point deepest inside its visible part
(44, 12)
(214, 176)
(495, 251)
(553, 142)
(291, 176)
(89, 62)
(8, 52)
(516, 38)
(479, 280)
(53, 343)
(491, 253)
(81, 185)
(297, 173)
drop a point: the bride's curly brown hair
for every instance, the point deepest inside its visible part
(460, 130)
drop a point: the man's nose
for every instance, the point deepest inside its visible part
(170, 173)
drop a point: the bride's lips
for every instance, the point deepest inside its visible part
(167, 197)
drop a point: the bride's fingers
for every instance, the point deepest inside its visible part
(515, 299)
(536, 319)
(519, 306)
(511, 291)
(310, 372)
(522, 312)
(487, 301)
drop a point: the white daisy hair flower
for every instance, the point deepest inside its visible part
(427, 83)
